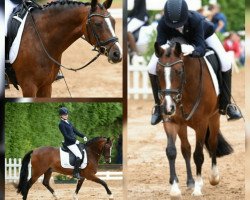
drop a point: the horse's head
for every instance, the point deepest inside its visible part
(100, 31)
(170, 71)
(106, 152)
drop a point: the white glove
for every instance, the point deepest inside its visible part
(187, 49)
(77, 142)
(85, 139)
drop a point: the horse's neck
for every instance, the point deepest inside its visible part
(62, 24)
(192, 76)
(96, 148)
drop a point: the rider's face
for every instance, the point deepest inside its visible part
(65, 117)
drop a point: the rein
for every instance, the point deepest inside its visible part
(178, 92)
(98, 47)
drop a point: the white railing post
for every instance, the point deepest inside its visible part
(139, 85)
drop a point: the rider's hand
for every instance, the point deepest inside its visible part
(187, 49)
(85, 139)
(77, 142)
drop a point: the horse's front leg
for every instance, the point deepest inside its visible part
(199, 157)
(28, 88)
(78, 187)
(186, 153)
(45, 91)
(103, 183)
(171, 131)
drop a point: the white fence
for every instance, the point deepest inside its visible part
(13, 167)
(138, 82)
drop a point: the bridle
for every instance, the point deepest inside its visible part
(100, 45)
(103, 152)
(176, 94)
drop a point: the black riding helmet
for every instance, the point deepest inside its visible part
(63, 111)
(175, 13)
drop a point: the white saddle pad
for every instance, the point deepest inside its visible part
(213, 75)
(16, 43)
(64, 157)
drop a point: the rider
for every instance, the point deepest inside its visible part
(69, 134)
(179, 21)
(138, 17)
(10, 5)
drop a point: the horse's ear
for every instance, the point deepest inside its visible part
(177, 49)
(93, 5)
(107, 4)
(158, 50)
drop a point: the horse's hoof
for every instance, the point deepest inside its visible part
(214, 180)
(75, 196)
(197, 193)
(111, 197)
(55, 196)
(175, 192)
(190, 184)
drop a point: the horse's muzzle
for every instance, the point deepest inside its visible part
(168, 110)
(115, 54)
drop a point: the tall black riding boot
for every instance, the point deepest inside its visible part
(76, 172)
(226, 108)
(156, 115)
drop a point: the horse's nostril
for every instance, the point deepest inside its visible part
(116, 54)
(172, 108)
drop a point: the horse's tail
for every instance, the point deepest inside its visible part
(223, 147)
(23, 182)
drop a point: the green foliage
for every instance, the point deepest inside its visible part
(31, 125)
(235, 13)
(150, 50)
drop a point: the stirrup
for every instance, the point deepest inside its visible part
(235, 107)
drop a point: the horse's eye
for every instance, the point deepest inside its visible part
(98, 24)
(178, 72)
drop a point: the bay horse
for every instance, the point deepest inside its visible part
(59, 24)
(188, 98)
(45, 160)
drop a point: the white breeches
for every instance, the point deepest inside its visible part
(9, 6)
(213, 42)
(225, 60)
(75, 150)
(135, 24)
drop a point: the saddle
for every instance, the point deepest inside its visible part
(213, 59)
(14, 22)
(72, 157)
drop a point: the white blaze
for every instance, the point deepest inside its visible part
(167, 71)
(110, 26)
(113, 34)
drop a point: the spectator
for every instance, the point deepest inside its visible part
(232, 43)
(218, 18)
